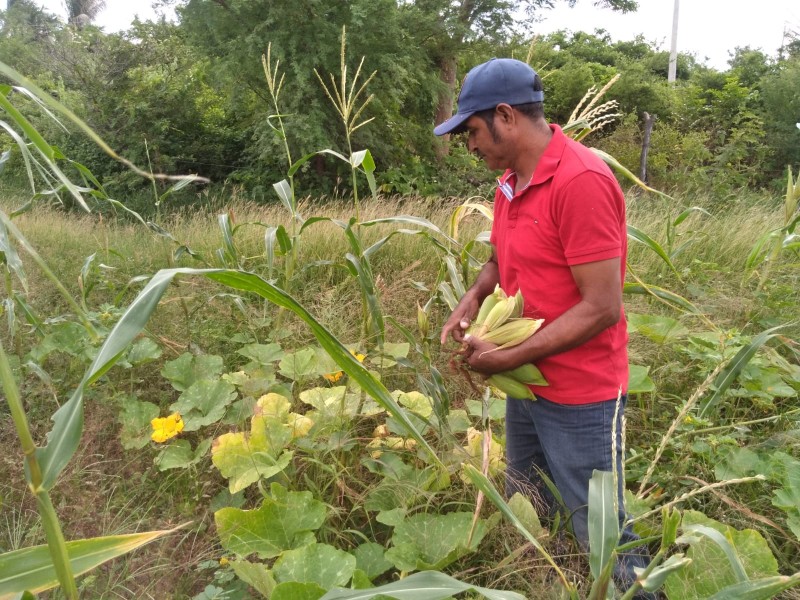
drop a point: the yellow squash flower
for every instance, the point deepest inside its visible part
(337, 375)
(166, 428)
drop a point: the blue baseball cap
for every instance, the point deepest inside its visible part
(498, 81)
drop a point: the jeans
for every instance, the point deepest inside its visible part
(567, 443)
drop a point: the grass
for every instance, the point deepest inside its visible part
(121, 490)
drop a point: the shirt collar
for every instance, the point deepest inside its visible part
(545, 168)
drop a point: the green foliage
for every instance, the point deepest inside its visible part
(744, 550)
(284, 521)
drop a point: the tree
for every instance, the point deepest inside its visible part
(454, 25)
(82, 12)
(305, 35)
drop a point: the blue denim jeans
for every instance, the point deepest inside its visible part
(567, 443)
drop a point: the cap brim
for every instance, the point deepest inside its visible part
(452, 124)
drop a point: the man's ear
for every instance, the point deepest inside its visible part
(505, 113)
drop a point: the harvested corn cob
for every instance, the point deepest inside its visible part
(500, 322)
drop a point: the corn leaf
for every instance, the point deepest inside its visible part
(760, 589)
(285, 195)
(720, 540)
(463, 211)
(603, 521)
(32, 568)
(63, 439)
(480, 481)
(24, 151)
(641, 237)
(617, 166)
(426, 585)
(229, 248)
(659, 575)
(410, 220)
(672, 298)
(735, 366)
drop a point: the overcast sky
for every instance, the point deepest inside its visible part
(709, 29)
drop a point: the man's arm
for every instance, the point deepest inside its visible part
(599, 308)
(470, 302)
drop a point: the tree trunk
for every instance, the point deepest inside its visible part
(649, 120)
(444, 108)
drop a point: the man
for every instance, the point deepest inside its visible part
(559, 236)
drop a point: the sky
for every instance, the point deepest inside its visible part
(709, 29)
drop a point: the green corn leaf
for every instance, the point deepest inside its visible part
(671, 297)
(360, 270)
(685, 214)
(32, 568)
(617, 166)
(177, 187)
(426, 585)
(380, 243)
(63, 439)
(760, 589)
(447, 295)
(410, 220)
(270, 242)
(12, 259)
(603, 520)
(299, 163)
(4, 159)
(47, 100)
(659, 575)
(338, 155)
(480, 481)
(224, 221)
(24, 151)
(641, 237)
(312, 220)
(28, 129)
(670, 523)
(720, 540)
(47, 151)
(735, 366)
(285, 195)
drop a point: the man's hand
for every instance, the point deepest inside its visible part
(461, 318)
(482, 357)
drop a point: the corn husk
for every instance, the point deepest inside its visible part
(500, 322)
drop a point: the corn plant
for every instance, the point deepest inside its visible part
(59, 561)
(768, 249)
(349, 105)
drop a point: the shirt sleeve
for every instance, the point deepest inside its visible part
(591, 219)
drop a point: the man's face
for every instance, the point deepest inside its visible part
(485, 142)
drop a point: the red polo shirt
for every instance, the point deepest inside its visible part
(571, 212)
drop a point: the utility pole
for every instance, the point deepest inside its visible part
(673, 53)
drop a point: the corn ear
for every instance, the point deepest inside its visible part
(510, 386)
(519, 307)
(486, 306)
(498, 315)
(512, 333)
(527, 373)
